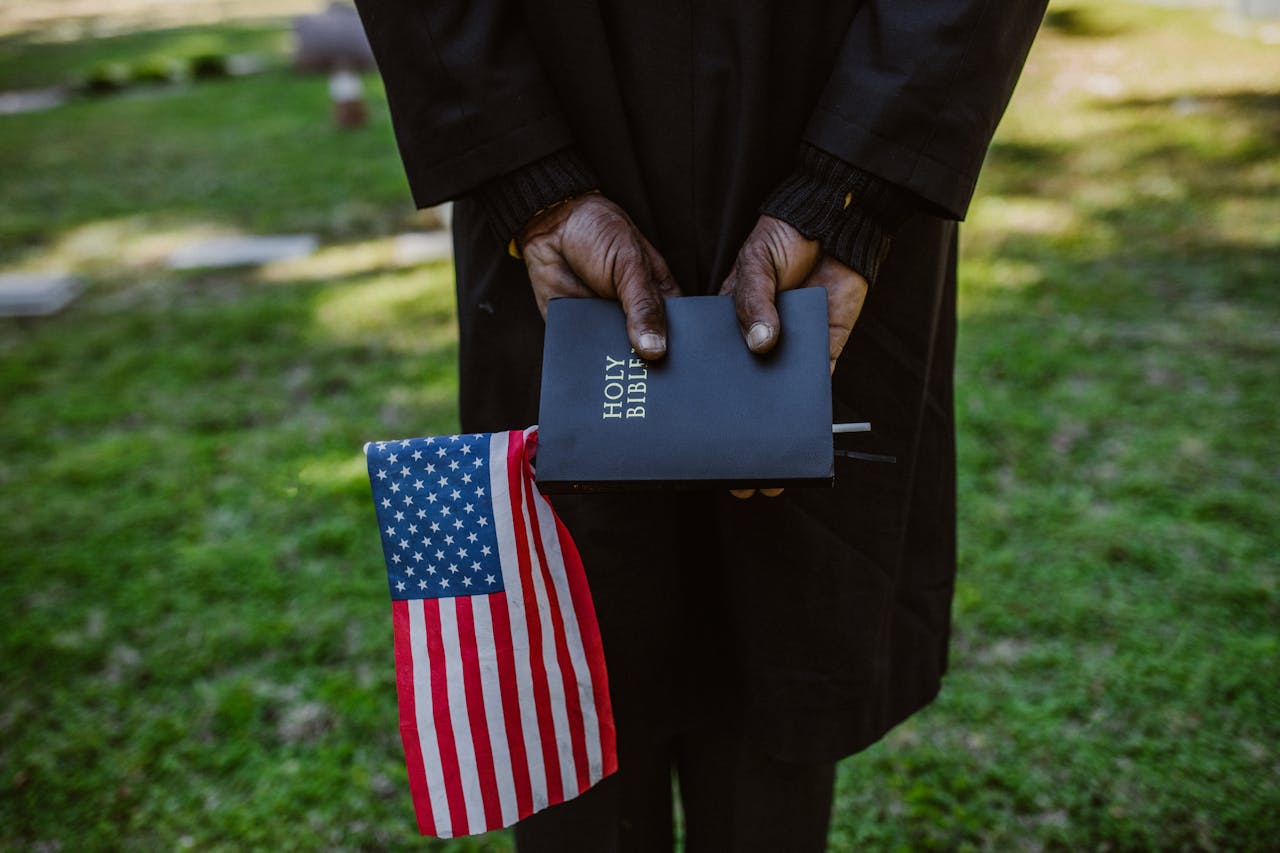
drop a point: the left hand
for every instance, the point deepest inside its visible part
(777, 257)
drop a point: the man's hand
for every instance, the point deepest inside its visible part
(777, 257)
(588, 246)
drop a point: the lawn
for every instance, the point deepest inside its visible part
(196, 645)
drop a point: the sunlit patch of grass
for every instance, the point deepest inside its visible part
(341, 474)
(995, 275)
(409, 311)
(334, 262)
(120, 245)
(1041, 216)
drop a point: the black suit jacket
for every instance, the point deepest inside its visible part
(821, 617)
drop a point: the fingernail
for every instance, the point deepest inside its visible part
(758, 335)
(649, 342)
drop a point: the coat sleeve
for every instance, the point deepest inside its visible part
(468, 99)
(851, 212)
(918, 88)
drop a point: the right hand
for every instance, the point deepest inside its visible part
(777, 257)
(588, 246)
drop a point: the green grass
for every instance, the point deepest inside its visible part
(28, 60)
(1115, 677)
(258, 153)
(193, 647)
(196, 645)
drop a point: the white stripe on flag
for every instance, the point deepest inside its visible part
(468, 771)
(426, 719)
(490, 681)
(551, 663)
(586, 693)
(500, 489)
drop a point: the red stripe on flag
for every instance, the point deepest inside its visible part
(475, 712)
(511, 702)
(577, 735)
(445, 734)
(409, 733)
(541, 691)
(589, 630)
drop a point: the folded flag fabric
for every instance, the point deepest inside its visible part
(504, 700)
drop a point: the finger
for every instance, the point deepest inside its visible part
(846, 294)
(742, 494)
(641, 301)
(754, 286)
(775, 257)
(771, 493)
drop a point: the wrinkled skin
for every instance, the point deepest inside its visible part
(588, 246)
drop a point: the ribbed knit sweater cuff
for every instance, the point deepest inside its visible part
(812, 200)
(511, 200)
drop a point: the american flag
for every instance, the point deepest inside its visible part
(504, 701)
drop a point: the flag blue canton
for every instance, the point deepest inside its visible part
(435, 511)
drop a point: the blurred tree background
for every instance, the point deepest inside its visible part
(196, 645)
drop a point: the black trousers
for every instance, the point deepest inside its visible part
(735, 798)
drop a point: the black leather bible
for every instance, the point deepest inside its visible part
(711, 414)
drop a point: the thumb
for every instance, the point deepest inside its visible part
(775, 257)
(640, 289)
(753, 283)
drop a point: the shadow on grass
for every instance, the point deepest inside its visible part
(1223, 134)
(1260, 109)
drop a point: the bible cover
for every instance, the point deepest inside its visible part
(709, 414)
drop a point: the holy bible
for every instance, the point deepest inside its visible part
(710, 414)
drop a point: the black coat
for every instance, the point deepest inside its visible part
(818, 619)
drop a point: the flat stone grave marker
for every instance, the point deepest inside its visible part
(420, 247)
(31, 100)
(36, 294)
(220, 252)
